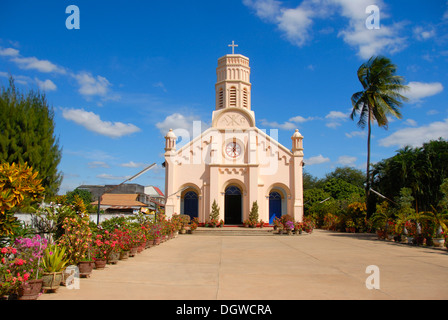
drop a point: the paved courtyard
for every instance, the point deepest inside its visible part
(265, 266)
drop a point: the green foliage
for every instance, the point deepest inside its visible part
(340, 189)
(253, 214)
(422, 170)
(348, 174)
(214, 215)
(27, 134)
(54, 259)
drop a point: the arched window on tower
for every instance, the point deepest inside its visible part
(245, 98)
(232, 98)
(221, 98)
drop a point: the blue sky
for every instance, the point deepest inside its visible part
(136, 68)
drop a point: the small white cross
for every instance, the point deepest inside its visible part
(233, 45)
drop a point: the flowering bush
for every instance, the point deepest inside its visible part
(124, 238)
(411, 228)
(308, 224)
(194, 224)
(20, 263)
(155, 231)
(289, 225)
(77, 238)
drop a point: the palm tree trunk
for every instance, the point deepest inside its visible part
(368, 160)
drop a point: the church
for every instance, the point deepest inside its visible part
(233, 162)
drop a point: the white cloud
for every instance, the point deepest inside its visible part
(32, 63)
(160, 85)
(422, 34)
(411, 122)
(93, 122)
(46, 85)
(337, 115)
(353, 134)
(296, 23)
(316, 160)
(420, 90)
(347, 161)
(267, 10)
(300, 119)
(276, 125)
(132, 164)
(415, 137)
(9, 52)
(335, 119)
(184, 127)
(97, 164)
(107, 176)
(91, 86)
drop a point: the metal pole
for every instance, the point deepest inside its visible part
(130, 179)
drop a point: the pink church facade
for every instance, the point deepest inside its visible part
(233, 162)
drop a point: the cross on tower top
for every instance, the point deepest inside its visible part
(233, 45)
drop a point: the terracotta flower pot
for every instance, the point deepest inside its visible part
(113, 257)
(30, 290)
(100, 263)
(51, 280)
(85, 268)
(124, 255)
(133, 252)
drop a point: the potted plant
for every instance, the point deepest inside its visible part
(261, 223)
(253, 215)
(298, 227)
(20, 269)
(194, 225)
(99, 252)
(53, 261)
(289, 227)
(439, 239)
(27, 266)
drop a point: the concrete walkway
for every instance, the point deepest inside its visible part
(266, 266)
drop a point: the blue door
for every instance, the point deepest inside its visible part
(191, 204)
(275, 206)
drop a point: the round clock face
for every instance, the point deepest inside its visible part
(233, 149)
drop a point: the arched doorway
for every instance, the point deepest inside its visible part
(233, 205)
(275, 206)
(191, 204)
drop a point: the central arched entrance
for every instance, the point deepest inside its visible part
(190, 204)
(233, 205)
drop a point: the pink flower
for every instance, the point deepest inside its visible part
(4, 250)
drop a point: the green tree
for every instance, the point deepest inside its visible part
(381, 97)
(340, 189)
(214, 215)
(27, 134)
(421, 169)
(348, 174)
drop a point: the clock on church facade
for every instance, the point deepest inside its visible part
(234, 162)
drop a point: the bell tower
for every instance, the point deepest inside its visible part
(233, 81)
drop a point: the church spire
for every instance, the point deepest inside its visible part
(233, 81)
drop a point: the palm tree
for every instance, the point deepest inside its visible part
(381, 97)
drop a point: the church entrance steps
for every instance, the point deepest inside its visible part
(234, 231)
